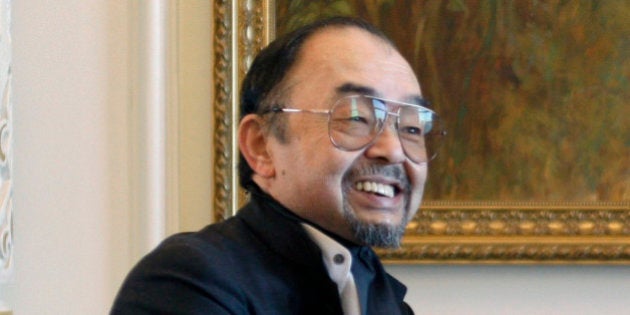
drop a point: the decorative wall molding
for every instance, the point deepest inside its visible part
(6, 145)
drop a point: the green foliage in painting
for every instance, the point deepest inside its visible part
(535, 94)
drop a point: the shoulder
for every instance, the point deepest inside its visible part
(210, 252)
(254, 260)
(187, 271)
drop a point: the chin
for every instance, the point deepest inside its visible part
(379, 234)
(381, 219)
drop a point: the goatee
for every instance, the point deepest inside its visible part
(379, 234)
(376, 234)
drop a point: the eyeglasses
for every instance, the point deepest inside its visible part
(354, 122)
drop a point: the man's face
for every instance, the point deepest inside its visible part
(330, 186)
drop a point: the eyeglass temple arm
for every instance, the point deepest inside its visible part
(297, 110)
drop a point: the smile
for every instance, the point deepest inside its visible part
(376, 188)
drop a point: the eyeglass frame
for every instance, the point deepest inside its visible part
(278, 109)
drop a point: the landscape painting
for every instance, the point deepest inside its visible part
(535, 94)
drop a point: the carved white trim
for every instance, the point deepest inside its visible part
(6, 145)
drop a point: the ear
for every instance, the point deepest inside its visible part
(252, 141)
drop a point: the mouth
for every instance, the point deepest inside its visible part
(379, 189)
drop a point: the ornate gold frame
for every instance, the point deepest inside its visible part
(443, 231)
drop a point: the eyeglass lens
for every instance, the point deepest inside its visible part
(355, 121)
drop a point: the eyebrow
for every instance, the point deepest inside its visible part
(355, 88)
(417, 99)
(349, 87)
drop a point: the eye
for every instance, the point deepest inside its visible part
(358, 119)
(411, 130)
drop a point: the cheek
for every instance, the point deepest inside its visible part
(315, 155)
(418, 176)
(308, 133)
(315, 146)
(418, 173)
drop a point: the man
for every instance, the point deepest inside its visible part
(335, 139)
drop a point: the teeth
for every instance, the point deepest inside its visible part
(373, 187)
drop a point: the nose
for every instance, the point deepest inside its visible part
(387, 146)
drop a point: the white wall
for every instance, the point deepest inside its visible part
(72, 205)
(71, 198)
(515, 290)
(194, 85)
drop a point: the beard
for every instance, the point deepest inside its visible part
(379, 234)
(375, 234)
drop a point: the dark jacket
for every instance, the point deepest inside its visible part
(260, 261)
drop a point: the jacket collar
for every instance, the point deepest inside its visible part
(281, 230)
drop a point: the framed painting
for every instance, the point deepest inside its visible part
(536, 167)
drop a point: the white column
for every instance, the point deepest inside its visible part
(149, 108)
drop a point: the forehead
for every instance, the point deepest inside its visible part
(339, 56)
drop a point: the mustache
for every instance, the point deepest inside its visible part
(396, 172)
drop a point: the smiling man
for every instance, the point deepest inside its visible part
(335, 141)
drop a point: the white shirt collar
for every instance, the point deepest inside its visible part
(338, 261)
(337, 258)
